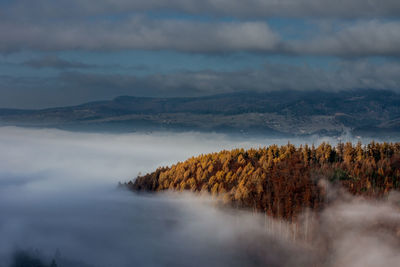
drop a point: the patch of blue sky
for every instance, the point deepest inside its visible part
(149, 62)
(24, 71)
(287, 28)
(293, 28)
(326, 62)
(142, 63)
(136, 62)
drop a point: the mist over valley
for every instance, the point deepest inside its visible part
(60, 201)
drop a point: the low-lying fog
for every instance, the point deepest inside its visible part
(58, 199)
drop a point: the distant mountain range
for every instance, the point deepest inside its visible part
(362, 112)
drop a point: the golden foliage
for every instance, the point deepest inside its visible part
(281, 181)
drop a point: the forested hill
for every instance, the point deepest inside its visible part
(364, 112)
(282, 181)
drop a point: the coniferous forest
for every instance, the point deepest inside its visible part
(282, 181)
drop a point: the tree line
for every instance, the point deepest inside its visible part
(282, 180)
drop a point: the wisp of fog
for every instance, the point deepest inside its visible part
(59, 200)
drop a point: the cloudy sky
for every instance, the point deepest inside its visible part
(63, 52)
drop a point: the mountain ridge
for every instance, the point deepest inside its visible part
(287, 112)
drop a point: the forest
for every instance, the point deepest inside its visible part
(282, 181)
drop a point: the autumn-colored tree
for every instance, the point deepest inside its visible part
(282, 181)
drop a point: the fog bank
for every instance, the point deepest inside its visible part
(58, 193)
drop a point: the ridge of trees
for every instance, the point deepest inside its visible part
(282, 180)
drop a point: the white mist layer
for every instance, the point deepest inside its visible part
(52, 159)
(58, 191)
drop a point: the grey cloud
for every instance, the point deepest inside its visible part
(75, 87)
(344, 75)
(45, 25)
(55, 62)
(361, 39)
(236, 8)
(139, 33)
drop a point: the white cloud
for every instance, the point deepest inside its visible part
(364, 38)
(358, 39)
(139, 33)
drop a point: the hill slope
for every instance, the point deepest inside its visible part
(282, 181)
(365, 112)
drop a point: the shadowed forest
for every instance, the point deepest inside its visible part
(282, 181)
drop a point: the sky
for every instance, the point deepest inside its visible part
(66, 52)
